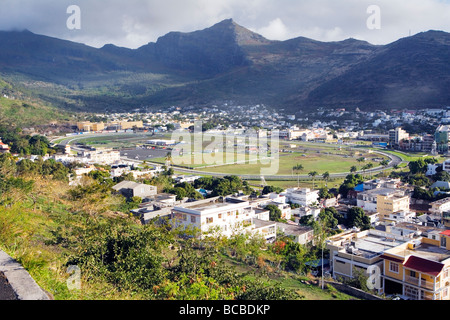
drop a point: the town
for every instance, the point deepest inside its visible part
(389, 227)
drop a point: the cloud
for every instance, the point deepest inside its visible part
(133, 23)
(276, 30)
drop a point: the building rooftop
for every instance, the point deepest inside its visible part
(381, 191)
(424, 251)
(369, 243)
(292, 229)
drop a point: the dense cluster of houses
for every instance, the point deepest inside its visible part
(405, 253)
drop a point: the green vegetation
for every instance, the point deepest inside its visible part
(47, 226)
(20, 113)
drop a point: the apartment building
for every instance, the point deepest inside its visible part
(440, 206)
(418, 269)
(88, 126)
(391, 206)
(302, 196)
(396, 136)
(385, 201)
(125, 125)
(360, 251)
(226, 216)
(101, 156)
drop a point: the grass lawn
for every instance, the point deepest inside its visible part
(311, 161)
(332, 183)
(411, 156)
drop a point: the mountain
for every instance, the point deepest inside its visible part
(230, 62)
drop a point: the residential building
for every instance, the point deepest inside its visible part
(101, 156)
(381, 183)
(226, 216)
(299, 234)
(441, 136)
(89, 126)
(125, 125)
(440, 206)
(302, 196)
(418, 269)
(390, 205)
(359, 251)
(396, 136)
(368, 199)
(446, 165)
(133, 189)
(298, 213)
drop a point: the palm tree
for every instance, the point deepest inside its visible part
(367, 167)
(168, 159)
(297, 168)
(313, 175)
(326, 176)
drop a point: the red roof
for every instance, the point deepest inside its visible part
(445, 233)
(423, 265)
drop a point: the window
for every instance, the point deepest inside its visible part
(446, 273)
(220, 216)
(193, 219)
(209, 220)
(412, 274)
(443, 241)
(180, 216)
(393, 267)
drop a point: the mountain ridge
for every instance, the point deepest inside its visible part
(229, 62)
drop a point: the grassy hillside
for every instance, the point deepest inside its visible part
(48, 226)
(20, 109)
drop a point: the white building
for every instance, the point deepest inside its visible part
(101, 156)
(440, 206)
(302, 196)
(367, 200)
(226, 216)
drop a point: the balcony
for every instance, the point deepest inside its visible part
(423, 283)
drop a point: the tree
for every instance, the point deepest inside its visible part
(271, 189)
(326, 177)
(325, 194)
(313, 175)
(274, 212)
(384, 163)
(418, 166)
(353, 169)
(442, 176)
(327, 216)
(297, 168)
(361, 159)
(356, 217)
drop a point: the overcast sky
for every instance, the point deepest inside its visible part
(133, 23)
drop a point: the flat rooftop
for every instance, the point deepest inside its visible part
(426, 251)
(371, 244)
(381, 191)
